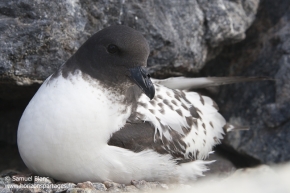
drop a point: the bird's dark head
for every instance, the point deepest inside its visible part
(117, 56)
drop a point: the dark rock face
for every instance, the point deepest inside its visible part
(264, 106)
(38, 36)
(36, 40)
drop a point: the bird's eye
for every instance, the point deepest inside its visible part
(112, 48)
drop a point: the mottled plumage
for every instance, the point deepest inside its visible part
(181, 122)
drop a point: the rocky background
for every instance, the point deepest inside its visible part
(196, 38)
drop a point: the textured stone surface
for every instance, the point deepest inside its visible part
(182, 34)
(115, 187)
(99, 186)
(88, 187)
(5, 190)
(63, 187)
(2, 183)
(149, 186)
(264, 106)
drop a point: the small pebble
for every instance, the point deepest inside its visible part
(115, 187)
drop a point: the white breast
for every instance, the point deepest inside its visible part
(65, 122)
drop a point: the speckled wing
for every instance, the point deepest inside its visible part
(183, 124)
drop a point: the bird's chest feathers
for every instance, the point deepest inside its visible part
(82, 108)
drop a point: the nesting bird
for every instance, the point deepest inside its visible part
(101, 117)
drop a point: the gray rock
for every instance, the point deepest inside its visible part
(5, 190)
(99, 186)
(226, 20)
(264, 106)
(90, 187)
(182, 34)
(28, 190)
(81, 190)
(149, 186)
(115, 187)
(2, 183)
(142, 185)
(61, 187)
(5, 180)
(87, 184)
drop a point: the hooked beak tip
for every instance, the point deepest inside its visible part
(142, 78)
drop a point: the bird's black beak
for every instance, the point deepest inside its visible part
(142, 78)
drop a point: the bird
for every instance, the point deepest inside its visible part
(101, 117)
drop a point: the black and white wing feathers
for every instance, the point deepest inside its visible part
(183, 124)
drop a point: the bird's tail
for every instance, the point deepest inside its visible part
(184, 83)
(230, 127)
